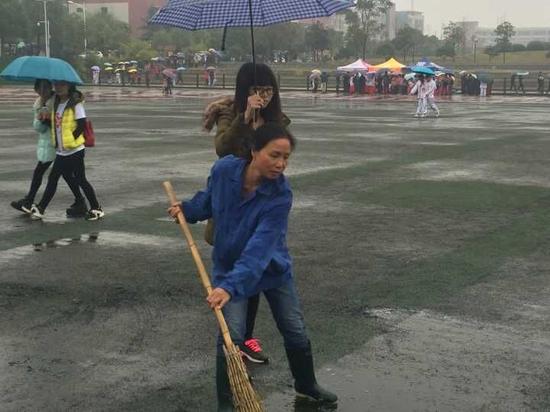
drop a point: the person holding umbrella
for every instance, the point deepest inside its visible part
(68, 120)
(211, 70)
(45, 153)
(521, 85)
(431, 87)
(540, 83)
(168, 80)
(324, 81)
(420, 89)
(235, 120)
(95, 74)
(250, 199)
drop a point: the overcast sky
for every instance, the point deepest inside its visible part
(489, 13)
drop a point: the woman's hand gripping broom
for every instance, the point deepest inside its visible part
(245, 398)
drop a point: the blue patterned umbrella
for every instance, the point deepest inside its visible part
(210, 14)
(30, 68)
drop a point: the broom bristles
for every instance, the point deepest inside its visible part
(245, 398)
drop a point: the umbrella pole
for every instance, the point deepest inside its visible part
(253, 50)
(252, 38)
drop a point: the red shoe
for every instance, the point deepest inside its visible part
(252, 351)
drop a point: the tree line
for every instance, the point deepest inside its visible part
(21, 29)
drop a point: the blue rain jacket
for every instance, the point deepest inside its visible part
(250, 252)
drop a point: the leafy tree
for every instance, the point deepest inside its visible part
(364, 22)
(317, 39)
(237, 44)
(67, 37)
(504, 33)
(290, 36)
(12, 22)
(447, 50)
(517, 47)
(140, 50)
(430, 44)
(18, 21)
(491, 51)
(106, 33)
(454, 36)
(538, 45)
(407, 41)
(386, 49)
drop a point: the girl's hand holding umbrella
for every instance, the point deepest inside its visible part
(43, 114)
(255, 102)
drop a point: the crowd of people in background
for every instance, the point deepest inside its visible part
(387, 83)
(472, 85)
(170, 72)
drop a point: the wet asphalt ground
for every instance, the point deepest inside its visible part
(420, 251)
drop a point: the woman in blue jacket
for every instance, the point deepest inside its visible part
(250, 202)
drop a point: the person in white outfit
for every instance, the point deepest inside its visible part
(431, 87)
(420, 89)
(482, 89)
(95, 77)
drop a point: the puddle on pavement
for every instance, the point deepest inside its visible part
(50, 244)
(432, 361)
(112, 238)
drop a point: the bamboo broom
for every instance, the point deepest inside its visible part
(245, 398)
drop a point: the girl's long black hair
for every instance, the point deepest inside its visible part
(38, 85)
(75, 96)
(264, 78)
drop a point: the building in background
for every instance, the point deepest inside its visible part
(413, 19)
(132, 12)
(471, 29)
(390, 24)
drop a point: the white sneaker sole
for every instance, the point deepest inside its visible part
(251, 359)
(96, 216)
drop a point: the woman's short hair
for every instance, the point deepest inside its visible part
(264, 77)
(269, 132)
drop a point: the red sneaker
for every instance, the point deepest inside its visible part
(252, 351)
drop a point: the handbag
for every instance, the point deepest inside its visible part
(89, 135)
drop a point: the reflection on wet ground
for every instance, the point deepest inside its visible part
(49, 244)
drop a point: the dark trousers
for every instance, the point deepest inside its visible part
(71, 166)
(36, 182)
(252, 311)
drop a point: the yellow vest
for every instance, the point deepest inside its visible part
(68, 126)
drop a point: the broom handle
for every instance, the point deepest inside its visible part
(205, 279)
